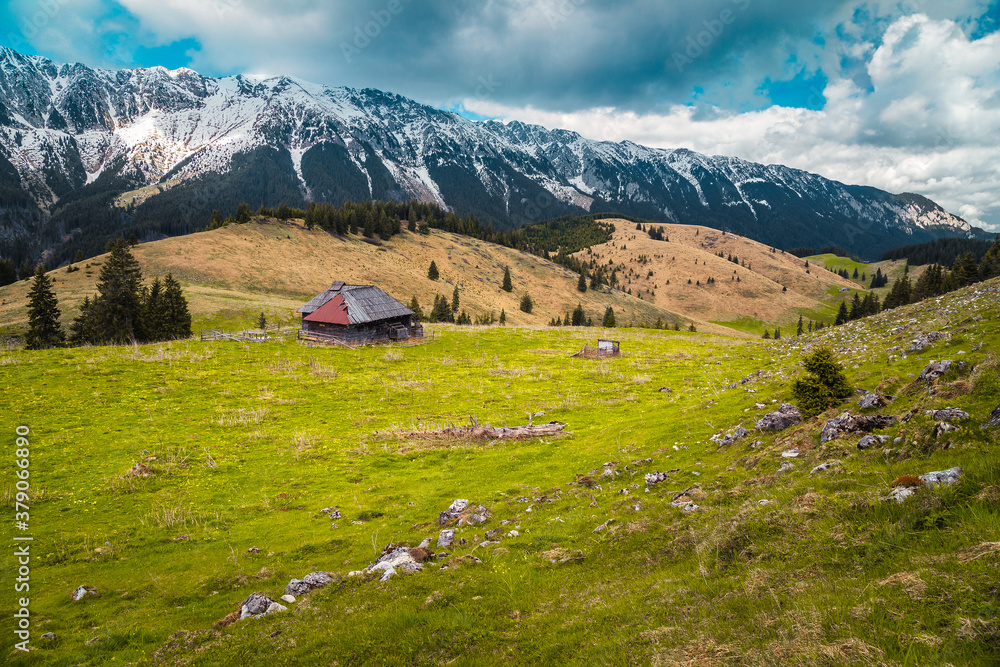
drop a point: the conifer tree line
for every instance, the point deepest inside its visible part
(934, 281)
(124, 310)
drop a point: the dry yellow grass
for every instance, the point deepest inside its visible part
(274, 267)
(692, 253)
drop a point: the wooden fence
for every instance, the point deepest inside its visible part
(350, 340)
(252, 335)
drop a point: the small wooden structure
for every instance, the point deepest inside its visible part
(605, 348)
(357, 314)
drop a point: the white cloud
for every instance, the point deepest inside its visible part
(930, 124)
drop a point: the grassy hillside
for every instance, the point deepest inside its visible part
(177, 479)
(232, 274)
(758, 299)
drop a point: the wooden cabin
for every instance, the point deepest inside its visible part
(358, 313)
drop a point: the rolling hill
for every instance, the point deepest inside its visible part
(234, 273)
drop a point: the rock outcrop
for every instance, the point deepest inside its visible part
(786, 416)
(848, 423)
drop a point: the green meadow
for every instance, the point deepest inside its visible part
(176, 479)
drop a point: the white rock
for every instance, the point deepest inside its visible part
(288, 598)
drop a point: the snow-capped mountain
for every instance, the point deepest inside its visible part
(73, 139)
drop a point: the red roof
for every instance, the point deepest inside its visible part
(333, 311)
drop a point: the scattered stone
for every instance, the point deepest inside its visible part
(824, 466)
(85, 592)
(654, 478)
(764, 501)
(297, 587)
(994, 419)
(480, 516)
(901, 493)
(790, 453)
(333, 513)
(446, 538)
(257, 605)
(665, 390)
(426, 542)
(923, 341)
(786, 416)
(950, 415)
(684, 503)
(905, 486)
(51, 636)
(870, 400)
(141, 470)
(559, 555)
(317, 579)
(603, 526)
(513, 533)
(730, 438)
(388, 571)
(453, 512)
(288, 598)
(848, 423)
(943, 427)
(870, 441)
(942, 477)
(395, 560)
(786, 466)
(253, 550)
(935, 369)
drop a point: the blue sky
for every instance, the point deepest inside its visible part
(899, 95)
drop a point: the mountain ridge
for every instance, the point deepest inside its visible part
(64, 127)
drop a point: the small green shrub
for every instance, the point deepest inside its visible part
(824, 385)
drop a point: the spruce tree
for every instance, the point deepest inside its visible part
(8, 274)
(842, 315)
(581, 284)
(26, 270)
(44, 329)
(154, 311)
(798, 328)
(508, 286)
(824, 384)
(117, 308)
(442, 310)
(609, 318)
(262, 322)
(454, 300)
(432, 272)
(526, 303)
(176, 314)
(503, 317)
(579, 318)
(418, 313)
(855, 312)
